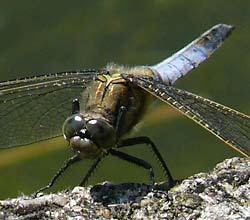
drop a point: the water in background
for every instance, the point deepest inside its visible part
(43, 36)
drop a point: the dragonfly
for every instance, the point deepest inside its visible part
(95, 109)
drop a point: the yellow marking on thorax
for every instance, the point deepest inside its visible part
(98, 90)
(112, 89)
(108, 79)
(106, 82)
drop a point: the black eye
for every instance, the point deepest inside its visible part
(96, 127)
(101, 132)
(73, 125)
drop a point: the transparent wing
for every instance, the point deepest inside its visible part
(34, 109)
(227, 124)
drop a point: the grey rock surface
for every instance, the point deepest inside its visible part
(223, 193)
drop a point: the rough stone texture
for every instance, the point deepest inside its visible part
(223, 193)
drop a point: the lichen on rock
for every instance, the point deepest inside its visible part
(223, 193)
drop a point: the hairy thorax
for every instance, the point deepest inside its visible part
(109, 92)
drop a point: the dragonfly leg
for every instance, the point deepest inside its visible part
(90, 171)
(120, 120)
(75, 106)
(146, 140)
(66, 165)
(136, 161)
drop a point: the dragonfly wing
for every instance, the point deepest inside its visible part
(34, 109)
(227, 124)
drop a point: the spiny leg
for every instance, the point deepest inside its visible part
(66, 165)
(75, 107)
(146, 140)
(136, 161)
(90, 171)
(120, 120)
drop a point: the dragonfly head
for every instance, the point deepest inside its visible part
(88, 136)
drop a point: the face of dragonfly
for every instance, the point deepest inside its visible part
(88, 137)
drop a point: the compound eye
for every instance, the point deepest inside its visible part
(101, 132)
(73, 125)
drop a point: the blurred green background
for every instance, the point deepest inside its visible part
(51, 36)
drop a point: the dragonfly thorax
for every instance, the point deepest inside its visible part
(88, 137)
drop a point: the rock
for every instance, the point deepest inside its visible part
(223, 193)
